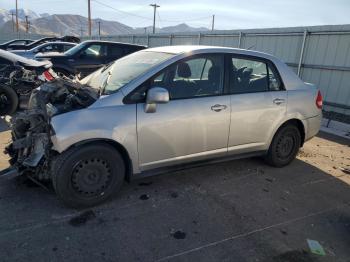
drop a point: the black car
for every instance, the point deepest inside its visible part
(36, 43)
(18, 77)
(22, 42)
(88, 56)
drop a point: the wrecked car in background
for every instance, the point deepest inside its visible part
(43, 40)
(88, 56)
(50, 47)
(18, 77)
(161, 109)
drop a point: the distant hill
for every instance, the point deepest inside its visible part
(68, 24)
(171, 29)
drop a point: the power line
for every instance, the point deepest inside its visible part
(188, 20)
(120, 11)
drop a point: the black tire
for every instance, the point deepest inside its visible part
(87, 175)
(284, 146)
(8, 100)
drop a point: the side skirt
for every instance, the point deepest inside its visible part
(170, 169)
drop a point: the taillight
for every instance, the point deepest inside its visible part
(319, 100)
(48, 76)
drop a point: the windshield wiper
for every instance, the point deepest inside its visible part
(105, 83)
(104, 68)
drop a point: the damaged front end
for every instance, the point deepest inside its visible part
(31, 151)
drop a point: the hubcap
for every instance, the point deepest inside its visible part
(91, 177)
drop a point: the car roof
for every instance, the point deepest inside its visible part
(180, 49)
(58, 42)
(111, 42)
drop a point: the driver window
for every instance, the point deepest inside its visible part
(195, 77)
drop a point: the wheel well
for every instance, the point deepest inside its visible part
(299, 125)
(123, 152)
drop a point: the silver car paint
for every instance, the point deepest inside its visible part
(195, 132)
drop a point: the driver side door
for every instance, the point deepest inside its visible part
(194, 124)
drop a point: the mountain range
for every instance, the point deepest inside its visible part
(69, 24)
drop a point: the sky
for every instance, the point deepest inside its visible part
(229, 14)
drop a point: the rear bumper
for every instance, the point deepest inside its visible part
(9, 173)
(313, 125)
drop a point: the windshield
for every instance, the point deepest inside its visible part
(126, 69)
(75, 49)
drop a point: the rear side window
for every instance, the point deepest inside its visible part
(67, 47)
(248, 76)
(275, 83)
(115, 51)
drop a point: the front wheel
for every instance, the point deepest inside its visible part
(284, 146)
(88, 175)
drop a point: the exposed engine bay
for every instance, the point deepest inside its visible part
(17, 84)
(31, 148)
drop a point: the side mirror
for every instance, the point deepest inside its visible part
(155, 95)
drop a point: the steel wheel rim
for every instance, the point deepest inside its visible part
(91, 177)
(285, 146)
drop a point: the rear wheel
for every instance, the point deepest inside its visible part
(284, 147)
(8, 100)
(88, 175)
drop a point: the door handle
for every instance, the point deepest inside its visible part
(278, 101)
(218, 108)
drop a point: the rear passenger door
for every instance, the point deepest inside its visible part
(258, 103)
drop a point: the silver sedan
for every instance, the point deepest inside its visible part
(172, 107)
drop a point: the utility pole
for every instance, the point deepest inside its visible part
(89, 17)
(145, 28)
(17, 27)
(99, 30)
(212, 23)
(13, 21)
(27, 24)
(154, 16)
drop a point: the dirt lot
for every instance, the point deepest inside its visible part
(236, 211)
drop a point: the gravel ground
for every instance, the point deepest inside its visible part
(241, 210)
